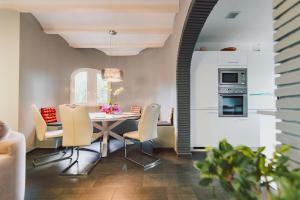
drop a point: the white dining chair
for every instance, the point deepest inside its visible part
(77, 133)
(147, 132)
(170, 121)
(43, 134)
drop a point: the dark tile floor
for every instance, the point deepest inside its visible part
(118, 179)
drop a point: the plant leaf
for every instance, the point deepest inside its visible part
(205, 181)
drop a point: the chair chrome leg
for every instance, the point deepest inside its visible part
(87, 169)
(125, 148)
(48, 155)
(38, 164)
(93, 151)
(144, 152)
(76, 160)
(156, 162)
(89, 150)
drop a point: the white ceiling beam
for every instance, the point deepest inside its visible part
(119, 45)
(89, 6)
(149, 19)
(157, 30)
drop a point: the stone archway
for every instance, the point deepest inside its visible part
(197, 15)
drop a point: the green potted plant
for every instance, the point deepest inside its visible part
(288, 186)
(247, 174)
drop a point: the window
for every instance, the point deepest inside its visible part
(80, 87)
(102, 86)
(88, 87)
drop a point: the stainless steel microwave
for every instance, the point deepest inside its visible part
(232, 76)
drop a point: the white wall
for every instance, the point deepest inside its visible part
(252, 28)
(9, 67)
(151, 75)
(46, 65)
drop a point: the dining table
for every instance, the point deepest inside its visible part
(105, 123)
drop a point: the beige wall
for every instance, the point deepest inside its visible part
(9, 67)
(151, 75)
(46, 64)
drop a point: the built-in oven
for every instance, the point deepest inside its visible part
(233, 103)
(232, 76)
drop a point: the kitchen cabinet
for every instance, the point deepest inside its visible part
(261, 84)
(268, 130)
(227, 58)
(204, 81)
(208, 129)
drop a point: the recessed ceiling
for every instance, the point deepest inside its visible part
(255, 16)
(140, 24)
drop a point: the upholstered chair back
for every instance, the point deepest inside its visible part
(76, 124)
(40, 124)
(147, 127)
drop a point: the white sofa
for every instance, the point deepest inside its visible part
(12, 166)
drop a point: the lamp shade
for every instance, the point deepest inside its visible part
(112, 74)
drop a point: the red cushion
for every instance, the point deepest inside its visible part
(49, 114)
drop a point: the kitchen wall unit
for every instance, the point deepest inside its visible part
(207, 128)
(232, 58)
(204, 81)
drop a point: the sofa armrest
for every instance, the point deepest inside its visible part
(11, 143)
(12, 166)
(4, 147)
(5, 164)
(6, 174)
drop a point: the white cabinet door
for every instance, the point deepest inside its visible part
(204, 81)
(262, 101)
(204, 125)
(207, 129)
(229, 58)
(268, 133)
(261, 81)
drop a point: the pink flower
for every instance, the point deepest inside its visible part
(114, 109)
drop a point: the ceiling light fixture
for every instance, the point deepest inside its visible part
(112, 74)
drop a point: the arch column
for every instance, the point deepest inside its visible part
(197, 15)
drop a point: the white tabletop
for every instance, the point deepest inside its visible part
(100, 116)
